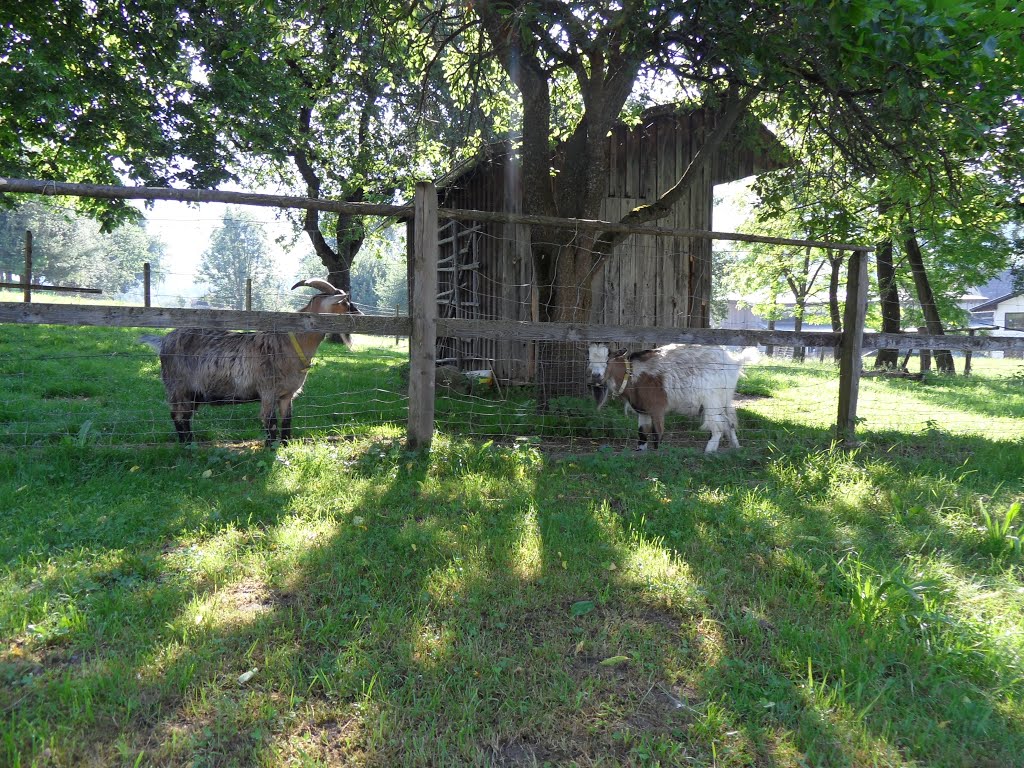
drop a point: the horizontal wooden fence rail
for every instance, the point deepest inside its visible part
(386, 325)
(50, 288)
(626, 334)
(114, 192)
(908, 341)
(222, 319)
(596, 225)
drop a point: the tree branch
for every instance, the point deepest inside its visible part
(663, 205)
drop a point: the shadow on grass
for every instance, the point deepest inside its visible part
(801, 644)
(484, 605)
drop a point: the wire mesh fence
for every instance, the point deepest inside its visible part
(103, 386)
(501, 375)
(86, 386)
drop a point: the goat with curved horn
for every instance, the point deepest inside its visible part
(321, 285)
(224, 367)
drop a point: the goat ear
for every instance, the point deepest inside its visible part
(619, 352)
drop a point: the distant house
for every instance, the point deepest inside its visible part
(997, 304)
(1005, 312)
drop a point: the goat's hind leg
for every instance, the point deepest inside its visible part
(734, 441)
(719, 425)
(284, 408)
(268, 416)
(181, 415)
(643, 432)
(658, 424)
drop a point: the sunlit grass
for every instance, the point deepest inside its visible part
(345, 602)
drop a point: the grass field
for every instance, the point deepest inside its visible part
(341, 601)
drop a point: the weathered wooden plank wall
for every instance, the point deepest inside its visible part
(501, 288)
(656, 281)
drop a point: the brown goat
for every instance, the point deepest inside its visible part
(226, 367)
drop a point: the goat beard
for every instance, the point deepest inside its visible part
(601, 394)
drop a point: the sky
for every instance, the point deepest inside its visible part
(186, 230)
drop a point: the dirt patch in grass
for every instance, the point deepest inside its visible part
(521, 753)
(244, 600)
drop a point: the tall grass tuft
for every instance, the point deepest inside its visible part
(1001, 534)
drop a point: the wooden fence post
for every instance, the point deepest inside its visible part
(851, 346)
(925, 354)
(248, 294)
(27, 277)
(968, 355)
(423, 312)
(145, 285)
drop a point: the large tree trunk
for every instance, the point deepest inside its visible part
(943, 357)
(348, 230)
(572, 182)
(835, 315)
(799, 352)
(889, 299)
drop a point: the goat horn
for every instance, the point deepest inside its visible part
(321, 285)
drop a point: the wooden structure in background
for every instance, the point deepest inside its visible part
(485, 271)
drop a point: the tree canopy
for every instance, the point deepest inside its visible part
(355, 100)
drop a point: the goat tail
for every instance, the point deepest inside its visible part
(151, 340)
(748, 356)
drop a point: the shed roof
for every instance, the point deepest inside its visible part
(769, 153)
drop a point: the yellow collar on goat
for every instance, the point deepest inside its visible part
(625, 378)
(298, 351)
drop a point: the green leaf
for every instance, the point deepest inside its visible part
(582, 608)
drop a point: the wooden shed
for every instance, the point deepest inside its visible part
(486, 271)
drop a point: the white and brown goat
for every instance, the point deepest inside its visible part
(675, 378)
(227, 367)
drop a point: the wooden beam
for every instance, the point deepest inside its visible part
(524, 331)
(51, 288)
(851, 346)
(379, 325)
(112, 192)
(224, 319)
(910, 341)
(423, 313)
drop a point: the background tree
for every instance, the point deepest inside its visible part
(238, 253)
(858, 75)
(70, 249)
(334, 100)
(380, 279)
(874, 78)
(93, 93)
(327, 100)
